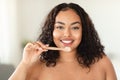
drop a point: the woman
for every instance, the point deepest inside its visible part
(67, 25)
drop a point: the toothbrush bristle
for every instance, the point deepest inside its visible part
(67, 49)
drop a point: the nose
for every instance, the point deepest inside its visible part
(67, 33)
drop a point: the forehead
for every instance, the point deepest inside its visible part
(67, 15)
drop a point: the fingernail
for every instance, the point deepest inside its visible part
(40, 49)
(47, 45)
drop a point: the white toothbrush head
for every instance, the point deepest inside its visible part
(67, 49)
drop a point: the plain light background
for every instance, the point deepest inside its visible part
(20, 21)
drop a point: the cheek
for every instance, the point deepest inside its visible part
(56, 35)
(78, 37)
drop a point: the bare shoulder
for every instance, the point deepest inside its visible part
(107, 65)
(105, 62)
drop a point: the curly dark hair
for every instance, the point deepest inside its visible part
(89, 50)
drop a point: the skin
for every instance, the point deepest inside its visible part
(67, 28)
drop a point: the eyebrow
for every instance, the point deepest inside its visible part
(77, 22)
(59, 22)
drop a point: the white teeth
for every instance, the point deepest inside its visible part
(66, 41)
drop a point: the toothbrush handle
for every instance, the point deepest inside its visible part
(54, 48)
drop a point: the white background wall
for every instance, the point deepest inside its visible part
(9, 38)
(20, 20)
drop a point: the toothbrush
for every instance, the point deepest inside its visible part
(66, 49)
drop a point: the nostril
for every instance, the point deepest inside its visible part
(67, 33)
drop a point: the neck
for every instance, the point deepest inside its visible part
(68, 56)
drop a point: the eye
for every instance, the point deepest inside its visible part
(59, 27)
(76, 28)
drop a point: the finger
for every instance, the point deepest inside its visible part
(40, 44)
(39, 48)
(29, 45)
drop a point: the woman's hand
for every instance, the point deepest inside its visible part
(32, 52)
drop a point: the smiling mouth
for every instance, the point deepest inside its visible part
(67, 42)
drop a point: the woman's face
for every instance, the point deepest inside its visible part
(67, 29)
